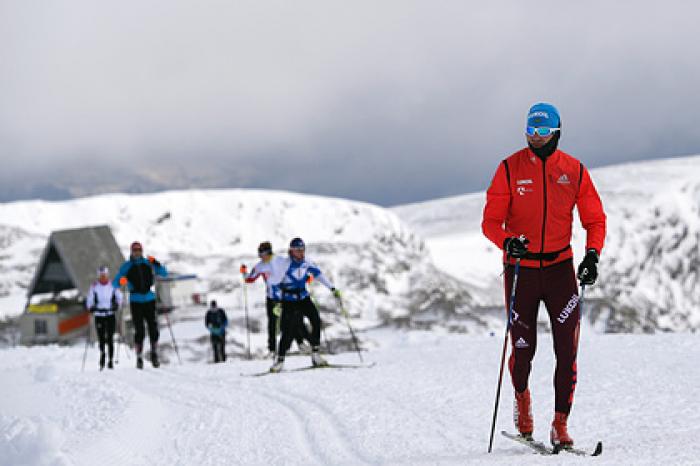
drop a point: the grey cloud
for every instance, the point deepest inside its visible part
(387, 102)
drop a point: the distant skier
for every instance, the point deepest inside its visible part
(216, 322)
(529, 214)
(289, 280)
(140, 274)
(264, 269)
(103, 301)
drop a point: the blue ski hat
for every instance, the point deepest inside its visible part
(543, 114)
(297, 243)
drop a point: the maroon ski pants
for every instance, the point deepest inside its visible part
(556, 286)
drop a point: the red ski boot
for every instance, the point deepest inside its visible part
(558, 435)
(522, 413)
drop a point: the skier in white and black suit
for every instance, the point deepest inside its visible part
(289, 280)
(216, 322)
(103, 300)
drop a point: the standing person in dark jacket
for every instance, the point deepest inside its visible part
(140, 274)
(529, 214)
(103, 300)
(216, 322)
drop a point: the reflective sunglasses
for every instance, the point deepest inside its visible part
(541, 130)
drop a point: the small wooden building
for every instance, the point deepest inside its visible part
(55, 310)
(177, 290)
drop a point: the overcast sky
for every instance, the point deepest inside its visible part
(383, 101)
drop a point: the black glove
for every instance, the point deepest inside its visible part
(93, 309)
(516, 247)
(588, 270)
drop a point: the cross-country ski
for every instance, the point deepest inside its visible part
(542, 449)
(307, 368)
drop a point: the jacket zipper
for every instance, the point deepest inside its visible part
(544, 212)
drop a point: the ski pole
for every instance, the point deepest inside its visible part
(120, 326)
(119, 345)
(123, 282)
(583, 291)
(127, 350)
(325, 338)
(87, 341)
(167, 319)
(119, 316)
(352, 333)
(509, 322)
(245, 307)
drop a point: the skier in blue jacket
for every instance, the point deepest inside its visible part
(139, 274)
(216, 322)
(288, 279)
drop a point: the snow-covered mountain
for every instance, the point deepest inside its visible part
(649, 270)
(366, 250)
(413, 265)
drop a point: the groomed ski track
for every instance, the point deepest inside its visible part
(427, 401)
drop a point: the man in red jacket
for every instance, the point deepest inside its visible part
(529, 214)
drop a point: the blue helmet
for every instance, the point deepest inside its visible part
(297, 243)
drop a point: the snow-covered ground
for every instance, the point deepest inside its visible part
(427, 401)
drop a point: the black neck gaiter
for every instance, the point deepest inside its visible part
(548, 149)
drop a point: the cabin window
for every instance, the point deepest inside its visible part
(40, 327)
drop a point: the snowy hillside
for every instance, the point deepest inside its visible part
(650, 266)
(428, 401)
(366, 250)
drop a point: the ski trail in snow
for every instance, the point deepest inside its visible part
(304, 438)
(210, 403)
(313, 449)
(322, 432)
(203, 421)
(136, 443)
(318, 434)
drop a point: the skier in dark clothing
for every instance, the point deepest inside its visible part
(216, 322)
(139, 274)
(529, 214)
(103, 300)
